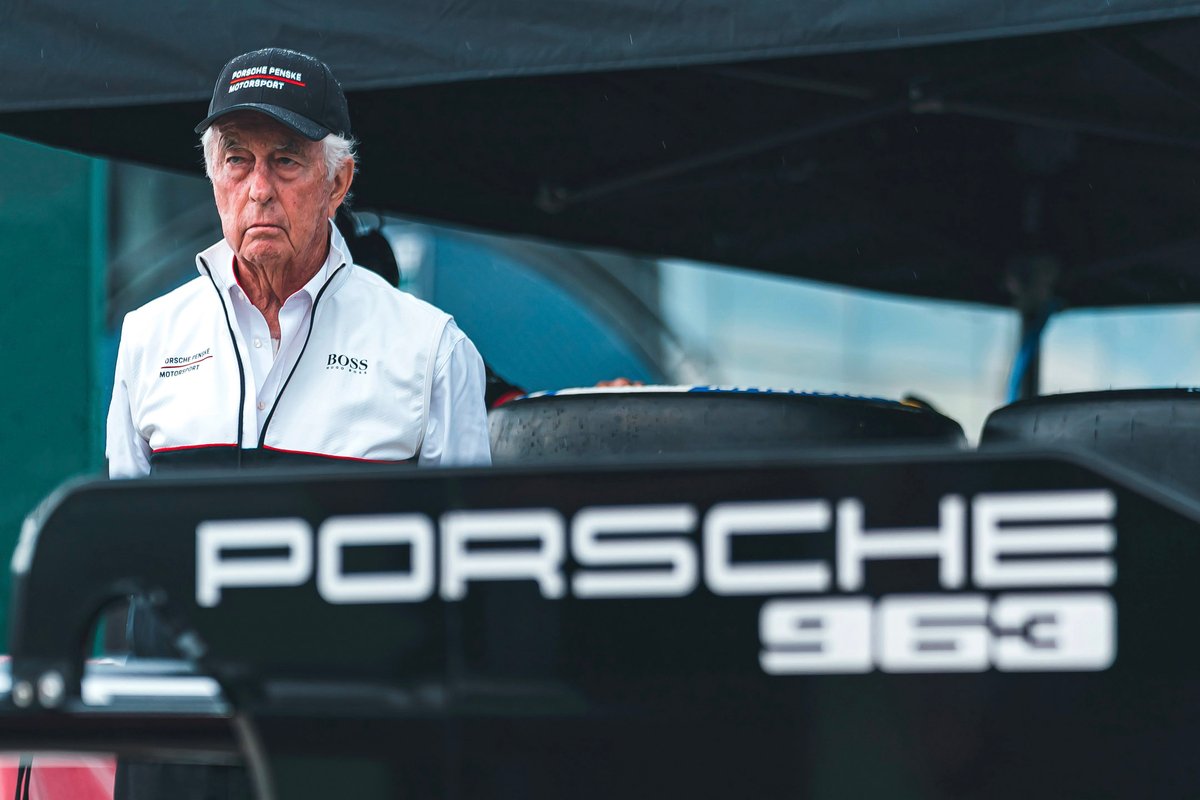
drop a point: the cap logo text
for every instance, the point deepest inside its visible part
(264, 77)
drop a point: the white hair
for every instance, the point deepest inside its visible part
(337, 151)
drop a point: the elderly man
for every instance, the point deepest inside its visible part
(283, 350)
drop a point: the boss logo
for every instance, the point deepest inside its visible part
(346, 363)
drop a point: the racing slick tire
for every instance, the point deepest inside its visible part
(657, 420)
(1153, 431)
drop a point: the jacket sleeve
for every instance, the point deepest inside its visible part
(127, 452)
(456, 432)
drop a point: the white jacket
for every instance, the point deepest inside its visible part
(372, 374)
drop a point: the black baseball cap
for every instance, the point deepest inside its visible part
(296, 89)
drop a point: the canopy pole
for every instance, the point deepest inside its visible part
(1166, 73)
(1031, 281)
(554, 199)
(1030, 379)
(1024, 381)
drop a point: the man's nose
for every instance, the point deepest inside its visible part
(262, 188)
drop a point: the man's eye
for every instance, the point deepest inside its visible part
(234, 160)
(287, 162)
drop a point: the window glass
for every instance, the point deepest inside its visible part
(1121, 349)
(536, 331)
(752, 329)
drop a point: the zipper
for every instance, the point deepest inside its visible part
(312, 320)
(238, 353)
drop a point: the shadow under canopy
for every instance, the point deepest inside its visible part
(1050, 153)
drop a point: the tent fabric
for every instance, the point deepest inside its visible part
(1009, 152)
(63, 53)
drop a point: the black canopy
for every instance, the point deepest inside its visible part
(992, 151)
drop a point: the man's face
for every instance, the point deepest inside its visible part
(272, 193)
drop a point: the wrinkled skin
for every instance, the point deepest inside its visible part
(275, 200)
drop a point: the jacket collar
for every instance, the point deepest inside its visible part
(219, 259)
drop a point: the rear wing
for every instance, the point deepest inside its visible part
(1012, 622)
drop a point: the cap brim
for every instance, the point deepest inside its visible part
(301, 125)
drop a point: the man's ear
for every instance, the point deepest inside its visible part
(341, 185)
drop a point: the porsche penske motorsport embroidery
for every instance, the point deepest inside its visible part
(181, 365)
(264, 77)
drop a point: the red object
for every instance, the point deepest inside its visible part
(61, 777)
(504, 398)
